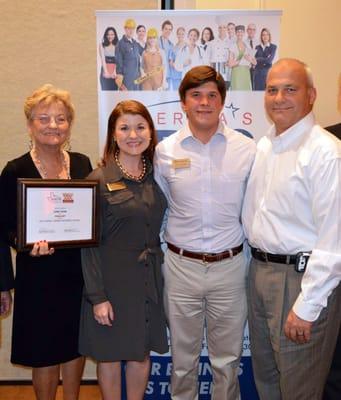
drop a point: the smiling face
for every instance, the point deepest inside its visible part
(203, 105)
(180, 34)
(49, 125)
(251, 31)
(110, 35)
(222, 31)
(265, 37)
(132, 134)
(167, 30)
(240, 34)
(129, 32)
(141, 33)
(193, 36)
(206, 35)
(288, 96)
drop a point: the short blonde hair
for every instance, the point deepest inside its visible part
(47, 95)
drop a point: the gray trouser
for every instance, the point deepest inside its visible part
(282, 369)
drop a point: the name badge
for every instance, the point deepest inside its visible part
(116, 186)
(181, 163)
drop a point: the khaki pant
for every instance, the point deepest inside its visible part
(213, 293)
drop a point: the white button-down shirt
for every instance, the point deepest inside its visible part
(205, 195)
(293, 204)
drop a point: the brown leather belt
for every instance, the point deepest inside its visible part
(206, 257)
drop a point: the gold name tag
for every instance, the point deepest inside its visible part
(181, 163)
(116, 186)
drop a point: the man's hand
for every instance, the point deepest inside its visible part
(297, 329)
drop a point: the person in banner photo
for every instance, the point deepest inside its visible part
(240, 59)
(190, 55)
(153, 64)
(179, 45)
(141, 36)
(122, 315)
(167, 46)
(203, 169)
(206, 37)
(265, 53)
(128, 53)
(108, 60)
(292, 218)
(251, 43)
(217, 52)
(48, 283)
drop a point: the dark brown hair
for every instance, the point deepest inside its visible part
(200, 75)
(128, 107)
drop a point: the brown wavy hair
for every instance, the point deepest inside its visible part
(128, 107)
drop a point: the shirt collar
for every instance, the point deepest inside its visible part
(186, 133)
(293, 134)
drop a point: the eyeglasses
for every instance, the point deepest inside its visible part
(46, 119)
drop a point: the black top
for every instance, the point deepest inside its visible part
(125, 270)
(48, 289)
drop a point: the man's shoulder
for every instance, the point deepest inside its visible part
(323, 144)
(240, 138)
(169, 140)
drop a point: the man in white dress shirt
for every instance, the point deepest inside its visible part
(292, 219)
(202, 170)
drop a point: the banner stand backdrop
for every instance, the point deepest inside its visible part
(243, 109)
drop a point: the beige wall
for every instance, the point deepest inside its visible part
(54, 41)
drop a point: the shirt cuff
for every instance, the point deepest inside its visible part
(306, 311)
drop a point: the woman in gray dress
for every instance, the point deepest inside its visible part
(122, 312)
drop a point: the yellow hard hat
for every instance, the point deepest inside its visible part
(152, 33)
(130, 23)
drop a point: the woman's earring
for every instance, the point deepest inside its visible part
(30, 144)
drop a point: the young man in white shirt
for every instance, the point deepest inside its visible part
(292, 219)
(202, 170)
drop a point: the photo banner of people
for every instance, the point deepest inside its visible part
(143, 55)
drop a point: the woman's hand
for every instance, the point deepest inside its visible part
(103, 313)
(41, 248)
(5, 302)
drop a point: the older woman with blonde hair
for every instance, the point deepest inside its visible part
(48, 283)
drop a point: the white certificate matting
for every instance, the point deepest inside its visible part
(58, 214)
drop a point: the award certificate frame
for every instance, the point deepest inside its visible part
(62, 212)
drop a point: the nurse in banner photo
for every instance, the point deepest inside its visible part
(122, 315)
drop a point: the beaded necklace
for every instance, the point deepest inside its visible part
(42, 169)
(128, 174)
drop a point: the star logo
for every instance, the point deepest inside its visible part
(233, 109)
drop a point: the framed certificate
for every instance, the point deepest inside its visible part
(62, 212)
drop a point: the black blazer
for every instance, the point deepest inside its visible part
(335, 129)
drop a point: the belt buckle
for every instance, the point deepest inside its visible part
(264, 255)
(204, 255)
